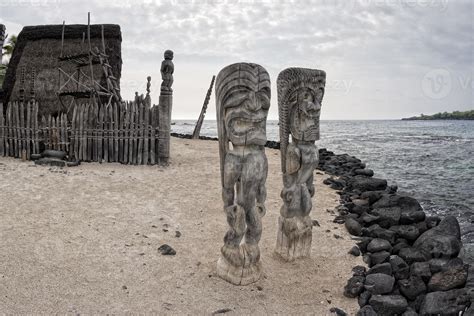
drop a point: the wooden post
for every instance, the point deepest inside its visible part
(90, 132)
(100, 145)
(121, 123)
(28, 129)
(133, 140)
(116, 129)
(146, 134)
(9, 141)
(152, 135)
(65, 133)
(17, 131)
(62, 38)
(110, 132)
(23, 128)
(197, 129)
(95, 126)
(126, 130)
(80, 144)
(106, 133)
(141, 109)
(36, 130)
(164, 127)
(73, 132)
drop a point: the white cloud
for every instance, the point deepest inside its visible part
(375, 52)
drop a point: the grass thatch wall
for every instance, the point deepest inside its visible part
(2, 38)
(38, 48)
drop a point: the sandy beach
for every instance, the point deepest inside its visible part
(84, 240)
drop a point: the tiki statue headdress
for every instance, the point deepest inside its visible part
(300, 95)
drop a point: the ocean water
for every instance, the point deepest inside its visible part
(433, 161)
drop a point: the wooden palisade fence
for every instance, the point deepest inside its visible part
(19, 130)
(126, 132)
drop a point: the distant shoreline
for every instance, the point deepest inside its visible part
(456, 115)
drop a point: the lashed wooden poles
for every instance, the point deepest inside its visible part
(197, 129)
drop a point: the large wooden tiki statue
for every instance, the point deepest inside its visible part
(242, 100)
(300, 93)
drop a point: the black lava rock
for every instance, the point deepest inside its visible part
(362, 184)
(364, 298)
(432, 221)
(367, 310)
(408, 204)
(338, 311)
(408, 218)
(388, 305)
(385, 268)
(379, 283)
(388, 216)
(378, 257)
(412, 287)
(376, 231)
(416, 304)
(443, 241)
(359, 271)
(372, 196)
(450, 278)
(411, 255)
(355, 251)
(364, 172)
(422, 270)
(399, 246)
(401, 270)
(378, 244)
(407, 232)
(166, 250)
(445, 303)
(52, 162)
(354, 286)
(353, 227)
(368, 219)
(395, 207)
(363, 243)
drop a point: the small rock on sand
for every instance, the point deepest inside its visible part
(166, 250)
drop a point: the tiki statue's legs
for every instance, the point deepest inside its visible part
(240, 262)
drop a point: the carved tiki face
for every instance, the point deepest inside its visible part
(305, 110)
(300, 94)
(243, 100)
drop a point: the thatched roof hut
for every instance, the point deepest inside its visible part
(36, 56)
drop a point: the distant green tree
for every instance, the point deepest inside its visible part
(9, 47)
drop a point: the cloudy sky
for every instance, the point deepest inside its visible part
(383, 58)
